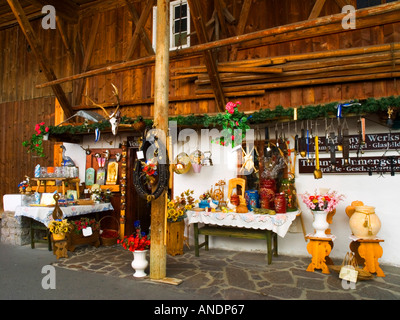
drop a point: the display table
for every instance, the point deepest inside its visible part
(367, 253)
(240, 225)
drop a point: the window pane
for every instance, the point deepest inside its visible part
(180, 39)
(177, 12)
(180, 25)
(184, 10)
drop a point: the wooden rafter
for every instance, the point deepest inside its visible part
(316, 10)
(64, 38)
(87, 56)
(317, 27)
(244, 14)
(342, 3)
(138, 30)
(209, 56)
(143, 35)
(41, 58)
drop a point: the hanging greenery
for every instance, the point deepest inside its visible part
(368, 106)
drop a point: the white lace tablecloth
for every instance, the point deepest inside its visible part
(44, 214)
(278, 223)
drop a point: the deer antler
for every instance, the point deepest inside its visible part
(98, 105)
(116, 95)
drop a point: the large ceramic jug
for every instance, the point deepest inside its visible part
(364, 223)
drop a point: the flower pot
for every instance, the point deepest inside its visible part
(204, 204)
(320, 224)
(139, 263)
(364, 223)
(196, 167)
(58, 236)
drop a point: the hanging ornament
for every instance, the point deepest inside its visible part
(96, 134)
(389, 121)
(317, 171)
(346, 144)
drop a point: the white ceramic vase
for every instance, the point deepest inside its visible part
(320, 224)
(139, 263)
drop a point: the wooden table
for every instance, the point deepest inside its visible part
(240, 225)
(74, 181)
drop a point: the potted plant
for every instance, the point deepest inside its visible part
(84, 231)
(204, 198)
(176, 213)
(35, 144)
(138, 243)
(320, 205)
(59, 228)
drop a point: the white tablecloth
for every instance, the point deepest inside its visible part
(44, 214)
(278, 223)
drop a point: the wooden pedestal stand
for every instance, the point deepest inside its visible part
(60, 248)
(319, 248)
(367, 253)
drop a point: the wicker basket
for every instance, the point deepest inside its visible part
(107, 241)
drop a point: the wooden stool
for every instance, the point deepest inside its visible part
(367, 253)
(319, 248)
(60, 248)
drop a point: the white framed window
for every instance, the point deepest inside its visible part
(179, 25)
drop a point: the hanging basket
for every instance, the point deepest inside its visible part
(109, 237)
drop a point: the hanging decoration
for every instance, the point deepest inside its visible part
(156, 167)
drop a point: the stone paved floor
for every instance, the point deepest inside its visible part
(229, 275)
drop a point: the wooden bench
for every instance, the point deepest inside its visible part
(233, 232)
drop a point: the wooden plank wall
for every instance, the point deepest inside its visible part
(19, 70)
(17, 123)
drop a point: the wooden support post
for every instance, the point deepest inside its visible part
(158, 252)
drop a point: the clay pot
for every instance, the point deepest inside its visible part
(364, 223)
(235, 199)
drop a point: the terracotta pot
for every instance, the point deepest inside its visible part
(364, 223)
(235, 199)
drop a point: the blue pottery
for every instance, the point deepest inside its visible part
(252, 199)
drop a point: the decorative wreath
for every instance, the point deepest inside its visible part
(139, 176)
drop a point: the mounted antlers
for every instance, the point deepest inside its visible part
(114, 117)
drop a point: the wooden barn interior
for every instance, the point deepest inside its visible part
(265, 53)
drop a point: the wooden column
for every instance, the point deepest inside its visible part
(158, 252)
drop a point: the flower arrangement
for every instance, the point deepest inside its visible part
(35, 144)
(138, 241)
(205, 196)
(322, 202)
(177, 208)
(149, 169)
(83, 223)
(234, 124)
(59, 226)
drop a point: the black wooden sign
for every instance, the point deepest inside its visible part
(355, 165)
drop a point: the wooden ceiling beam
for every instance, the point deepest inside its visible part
(316, 10)
(367, 17)
(41, 58)
(86, 57)
(143, 35)
(138, 30)
(209, 56)
(244, 15)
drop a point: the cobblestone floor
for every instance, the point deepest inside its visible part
(229, 275)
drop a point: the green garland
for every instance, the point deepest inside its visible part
(368, 106)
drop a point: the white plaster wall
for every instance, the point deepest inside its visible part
(380, 192)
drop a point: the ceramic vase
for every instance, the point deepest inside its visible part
(139, 263)
(364, 223)
(320, 224)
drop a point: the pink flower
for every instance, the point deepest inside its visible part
(46, 129)
(230, 107)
